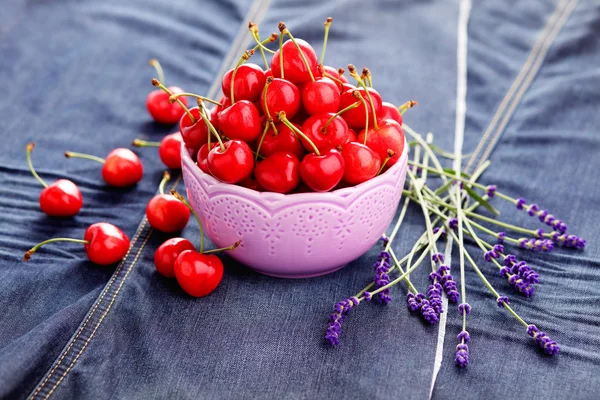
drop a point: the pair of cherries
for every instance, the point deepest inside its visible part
(63, 198)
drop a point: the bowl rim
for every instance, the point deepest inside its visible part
(314, 196)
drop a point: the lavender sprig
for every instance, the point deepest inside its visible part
(334, 328)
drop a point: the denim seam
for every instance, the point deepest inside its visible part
(527, 73)
(255, 11)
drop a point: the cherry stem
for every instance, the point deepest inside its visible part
(35, 248)
(353, 74)
(232, 247)
(159, 71)
(391, 154)
(286, 122)
(281, 55)
(144, 143)
(72, 154)
(209, 125)
(407, 105)
(30, 147)
(330, 120)
(356, 94)
(261, 44)
(260, 142)
(245, 57)
(173, 98)
(256, 37)
(327, 75)
(163, 182)
(367, 75)
(189, 206)
(269, 117)
(156, 82)
(302, 56)
(326, 36)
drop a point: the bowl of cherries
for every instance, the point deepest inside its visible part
(304, 169)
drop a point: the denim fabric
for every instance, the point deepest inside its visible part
(75, 77)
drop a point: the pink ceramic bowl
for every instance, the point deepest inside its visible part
(295, 235)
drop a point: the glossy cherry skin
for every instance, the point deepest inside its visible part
(122, 168)
(389, 136)
(356, 116)
(360, 163)
(169, 150)
(280, 172)
(225, 102)
(61, 199)
(335, 73)
(320, 96)
(161, 110)
(202, 158)
(249, 82)
(107, 243)
(167, 253)
(324, 172)
(194, 134)
(282, 95)
(251, 183)
(352, 136)
(389, 111)
(284, 140)
(293, 67)
(232, 165)
(336, 133)
(167, 214)
(348, 87)
(240, 121)
(198, 274)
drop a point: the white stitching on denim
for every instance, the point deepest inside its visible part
(534, 53)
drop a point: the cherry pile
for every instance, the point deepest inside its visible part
(297, 125)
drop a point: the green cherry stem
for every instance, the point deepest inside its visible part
(281, 55)
(174, 97)
(407, 105)
(330, 120)
(260, 142)
(284, 31)
(325, 37)
(29, 149)
(256, 36)
(156, 83)
(366, 73)
(353, 74)
(327, 75)
(35, 248)
(281, 116)
(356, 94)
(189, 206)
(209, 125)
(232, 247)
(144, 143)
(267, 111)
(72, 154)
(159, 71)
(390, 154)
(245, 57)
(163, 182)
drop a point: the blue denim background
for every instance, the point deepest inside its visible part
(75, 76)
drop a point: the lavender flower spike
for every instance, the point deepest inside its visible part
(462, 355)
(334, 328)
(464, 308)
(414, 304)
(428, 312)
(502, 300)
(491, 191)
(453, 223)
(543, 341)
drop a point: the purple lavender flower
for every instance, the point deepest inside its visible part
(437, 229)
(520, 202)
(434, 293)
(568, 240)
(491, 191)
(448, 283)
(464, 308)
(462, 355)
(520, 286)
(464, 336)
(532, 209)
(453, 223)
(334, 328)
(543, 341)
(500, 236)
(533, 244)
(381, 278)
(385, 240)
(412, 302)
(520, 268)
(368, 296)
(428, 312)
(437, 257)
(502, 300)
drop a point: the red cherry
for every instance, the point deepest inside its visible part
(279, 172)
(285, 140)
(167, 214)
(269, 73)
(249, 82)
(224, 103)
(198, 274)
(321, 96)
(202, 158)
(251, 183)
(161, 110)
(122, 168)
(169, 150)
(282, 95)
(167, 253)
(389, 136)
(232, 163)
(356, 117)
(352, 137)
(348, 87)
(325, 138)
(240, 121)
(194, 134)
(59, 199)
(293, 66)
(335, 73)
(389, 111)
(360, 163)
(322, 172)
